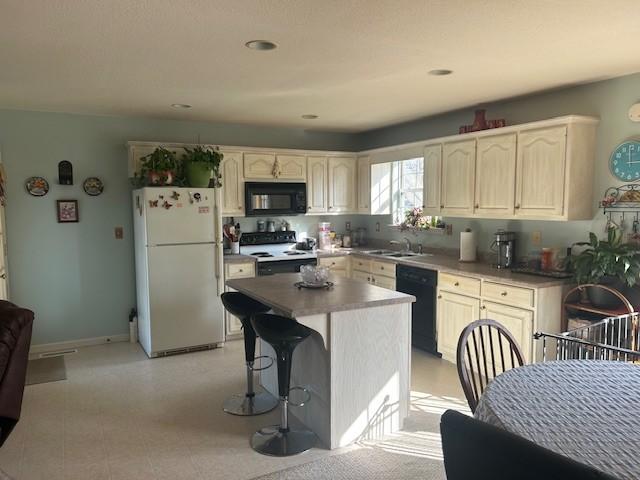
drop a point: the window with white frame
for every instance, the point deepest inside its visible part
(407, 187)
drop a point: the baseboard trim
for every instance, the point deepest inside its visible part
(72, 344)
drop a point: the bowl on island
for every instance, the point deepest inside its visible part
(312, 275)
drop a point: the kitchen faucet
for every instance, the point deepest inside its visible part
(407, 244)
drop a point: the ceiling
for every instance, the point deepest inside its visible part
(357, 64)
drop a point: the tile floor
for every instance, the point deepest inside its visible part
(122, 416)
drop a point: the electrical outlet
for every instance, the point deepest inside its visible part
(347, 226)
(377, 226)
(119, 233)
(536, 238)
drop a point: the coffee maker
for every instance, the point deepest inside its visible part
(504, 244)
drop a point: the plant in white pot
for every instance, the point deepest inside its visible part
(159, 168)
(611, 263)
(202, 163)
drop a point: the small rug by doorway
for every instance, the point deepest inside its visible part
(45, 370)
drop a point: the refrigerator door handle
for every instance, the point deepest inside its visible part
(218, 253)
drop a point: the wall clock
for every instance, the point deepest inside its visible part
(625, 161)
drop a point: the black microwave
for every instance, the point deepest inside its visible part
(268, 198)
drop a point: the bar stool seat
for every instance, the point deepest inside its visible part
(284, 335)
(249, 403)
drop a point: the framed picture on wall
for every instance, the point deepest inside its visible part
(67, 211)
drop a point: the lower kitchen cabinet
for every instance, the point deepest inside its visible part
(233, 325)
(384, 282)
(375, 272)
(453, 313)
(517, 320)
(339, 266)
(360, 275)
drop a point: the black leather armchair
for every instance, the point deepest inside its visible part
(15, 338)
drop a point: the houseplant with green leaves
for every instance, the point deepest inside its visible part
(611, 263)
(202, 163)
(160, 168)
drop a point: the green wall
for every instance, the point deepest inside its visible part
(76, 277)
(610, 100)
(80, 280)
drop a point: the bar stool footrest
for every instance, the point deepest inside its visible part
(305, 401)
(261, 368)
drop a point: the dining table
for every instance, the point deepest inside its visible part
(587, 410)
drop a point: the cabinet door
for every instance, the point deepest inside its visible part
(496, 175)
(540, 172)
(233, 325)
(364, 185)
(432, 179)
(380, 189)
(458, 166)
(259, 165)
(359, 275)
(232, 184)
(454, 313)
(317, 184)
(291, 167)
(384, 282)
(342, 184)
(517, 320)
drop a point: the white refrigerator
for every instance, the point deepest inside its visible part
(179, 273)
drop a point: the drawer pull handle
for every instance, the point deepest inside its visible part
(457, 284)
(477, 206)
(241, 270)
(381, 268)
(504, 294)
(368, 279)
(518, 206)
(439, 296)
(483, 307)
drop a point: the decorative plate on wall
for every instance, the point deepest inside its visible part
(37, 186)
(93, 186)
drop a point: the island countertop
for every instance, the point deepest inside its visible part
(278, 291)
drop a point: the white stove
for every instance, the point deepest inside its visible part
(276, 252)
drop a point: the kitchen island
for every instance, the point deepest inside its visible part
(356, 365)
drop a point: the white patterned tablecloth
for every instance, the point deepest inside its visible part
(588, 410)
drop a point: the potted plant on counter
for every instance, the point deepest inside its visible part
(611, 263)
(201, 164)
(157, 169)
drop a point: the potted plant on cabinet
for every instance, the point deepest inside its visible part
(201, 164)
(611, 263)
(157, 169)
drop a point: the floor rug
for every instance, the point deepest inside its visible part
(45, 370)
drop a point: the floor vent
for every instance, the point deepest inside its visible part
(179, 351)
(58, 353)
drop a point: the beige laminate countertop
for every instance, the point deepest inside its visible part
(446, 263)
(278, 291)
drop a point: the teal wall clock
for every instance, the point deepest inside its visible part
(625, 161)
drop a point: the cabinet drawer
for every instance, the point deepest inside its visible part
(384, 282)
(361, 264)
(383, 268)
(334, 263)
(240, 270)
(458, 283)
(363, 276)
(508, 294)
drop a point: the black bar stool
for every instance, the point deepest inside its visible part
(249, 403)
(283, 334)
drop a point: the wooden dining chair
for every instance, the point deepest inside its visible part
(485, 350)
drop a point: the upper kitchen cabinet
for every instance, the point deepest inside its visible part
(342, 184)
(269, 166)
(317, 184)
(232, 184)
(291, 167)
(380, 189)
(457, 185)
(364, 185)
(495, 175)
(259, 165)
(432, 177)
(540, 182)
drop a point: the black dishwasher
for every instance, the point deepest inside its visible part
(420, 283)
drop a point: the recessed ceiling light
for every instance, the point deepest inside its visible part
(180, 105)
(309, 116)
(260, 45)
(440, 72)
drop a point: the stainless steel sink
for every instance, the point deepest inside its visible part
(379, 252)
(401, 254)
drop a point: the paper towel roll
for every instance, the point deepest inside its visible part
(467, 246)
